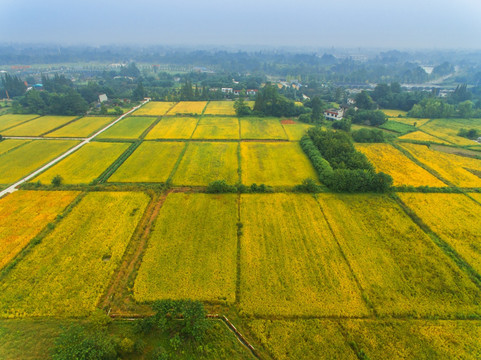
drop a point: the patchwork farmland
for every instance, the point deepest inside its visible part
(135, 219)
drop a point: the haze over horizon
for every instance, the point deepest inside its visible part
(411, 24)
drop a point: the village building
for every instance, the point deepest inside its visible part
(334, 114)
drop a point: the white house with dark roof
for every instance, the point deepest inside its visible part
(334, 114)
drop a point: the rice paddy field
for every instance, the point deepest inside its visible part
(411, 121)
(154, 108)
(394, 113)
(458, 170)
(287, 250)
(188, 107)
(68, 271)
(131, 127)
(262, 128)
(9, 145)
(82, 127)
(173, 127)
(296, 131)
(220, 108)
(399, 127)
(422, 136)
(391, 161)
(222, 128)
(204, 248)
(204, 162)
(86, 164)
(447, 129)
(456, 221)
(275, 164)
(10, 120)
(400, 269)
(151, 162)
(38, 126)
(25, 159)
(24, 214)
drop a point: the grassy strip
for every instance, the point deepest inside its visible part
(445, 247)
(169, 179)
(38, 239)
(112, 168)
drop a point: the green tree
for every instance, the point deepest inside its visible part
(465, 109)
(241, 108)
(57, 180)
(139, 92)
(364, 101)
(316, 104)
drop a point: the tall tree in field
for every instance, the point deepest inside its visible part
(316, 103)
(139, 92)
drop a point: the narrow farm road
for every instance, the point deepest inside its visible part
(14, 187)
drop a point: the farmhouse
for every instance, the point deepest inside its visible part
(334, 114)
(227, 90)
(251, 92)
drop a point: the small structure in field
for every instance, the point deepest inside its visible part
(334, 114)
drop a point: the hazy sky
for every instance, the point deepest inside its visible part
(338, 23)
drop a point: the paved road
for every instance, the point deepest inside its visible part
(85, 141)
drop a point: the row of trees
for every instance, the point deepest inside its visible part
(339, 166)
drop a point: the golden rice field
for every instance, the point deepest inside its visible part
(275, 164)
(204, 162)
(418, 339)
(302, 339)
(451, 167)
(131, 127)
(217, 128)
(400, 269)
(454, 217)
(38, 126)
(262, 128)
(191, 253)
(84, 165)
(151, 162)
(448, 129)
(27, 158)
(290, 261)
(154, 108)
(9, 120)
(411, 121)
(83, 127)
(24, 214)
(391, 161)
(220, 108)
(11, 144)
(172, 127)
(188, 107)
(422, 136)
(67, 273)
(296, 131)
(394, 113)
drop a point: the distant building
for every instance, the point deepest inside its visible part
(334, 114)
(102, 98)
(227, 90)
(250, 92)
(237, 92)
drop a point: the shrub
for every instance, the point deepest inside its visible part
(220, 186)
(308, 185)
(57, 180)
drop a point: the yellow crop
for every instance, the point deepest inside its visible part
(27, 158)
(302, 339)
(82, 127)
(411, 121)
(151, 162)
(155, 108)
(217, 128)
(448, 129)
(204, 162)
(39, 126)
(188, 107)
(262, 128)
(296, 131)
(9, 145)
(422, 136)
(129, 128)
(220, 108)
(24, 214)
(398, 266)
(454, 217)
(192, 253)
(9, 120)
(290, 261)
(86, 164)
(451, 167)
(275, 163)
(403, 171)
(172, 127)
(394, 113)
(67, 273)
